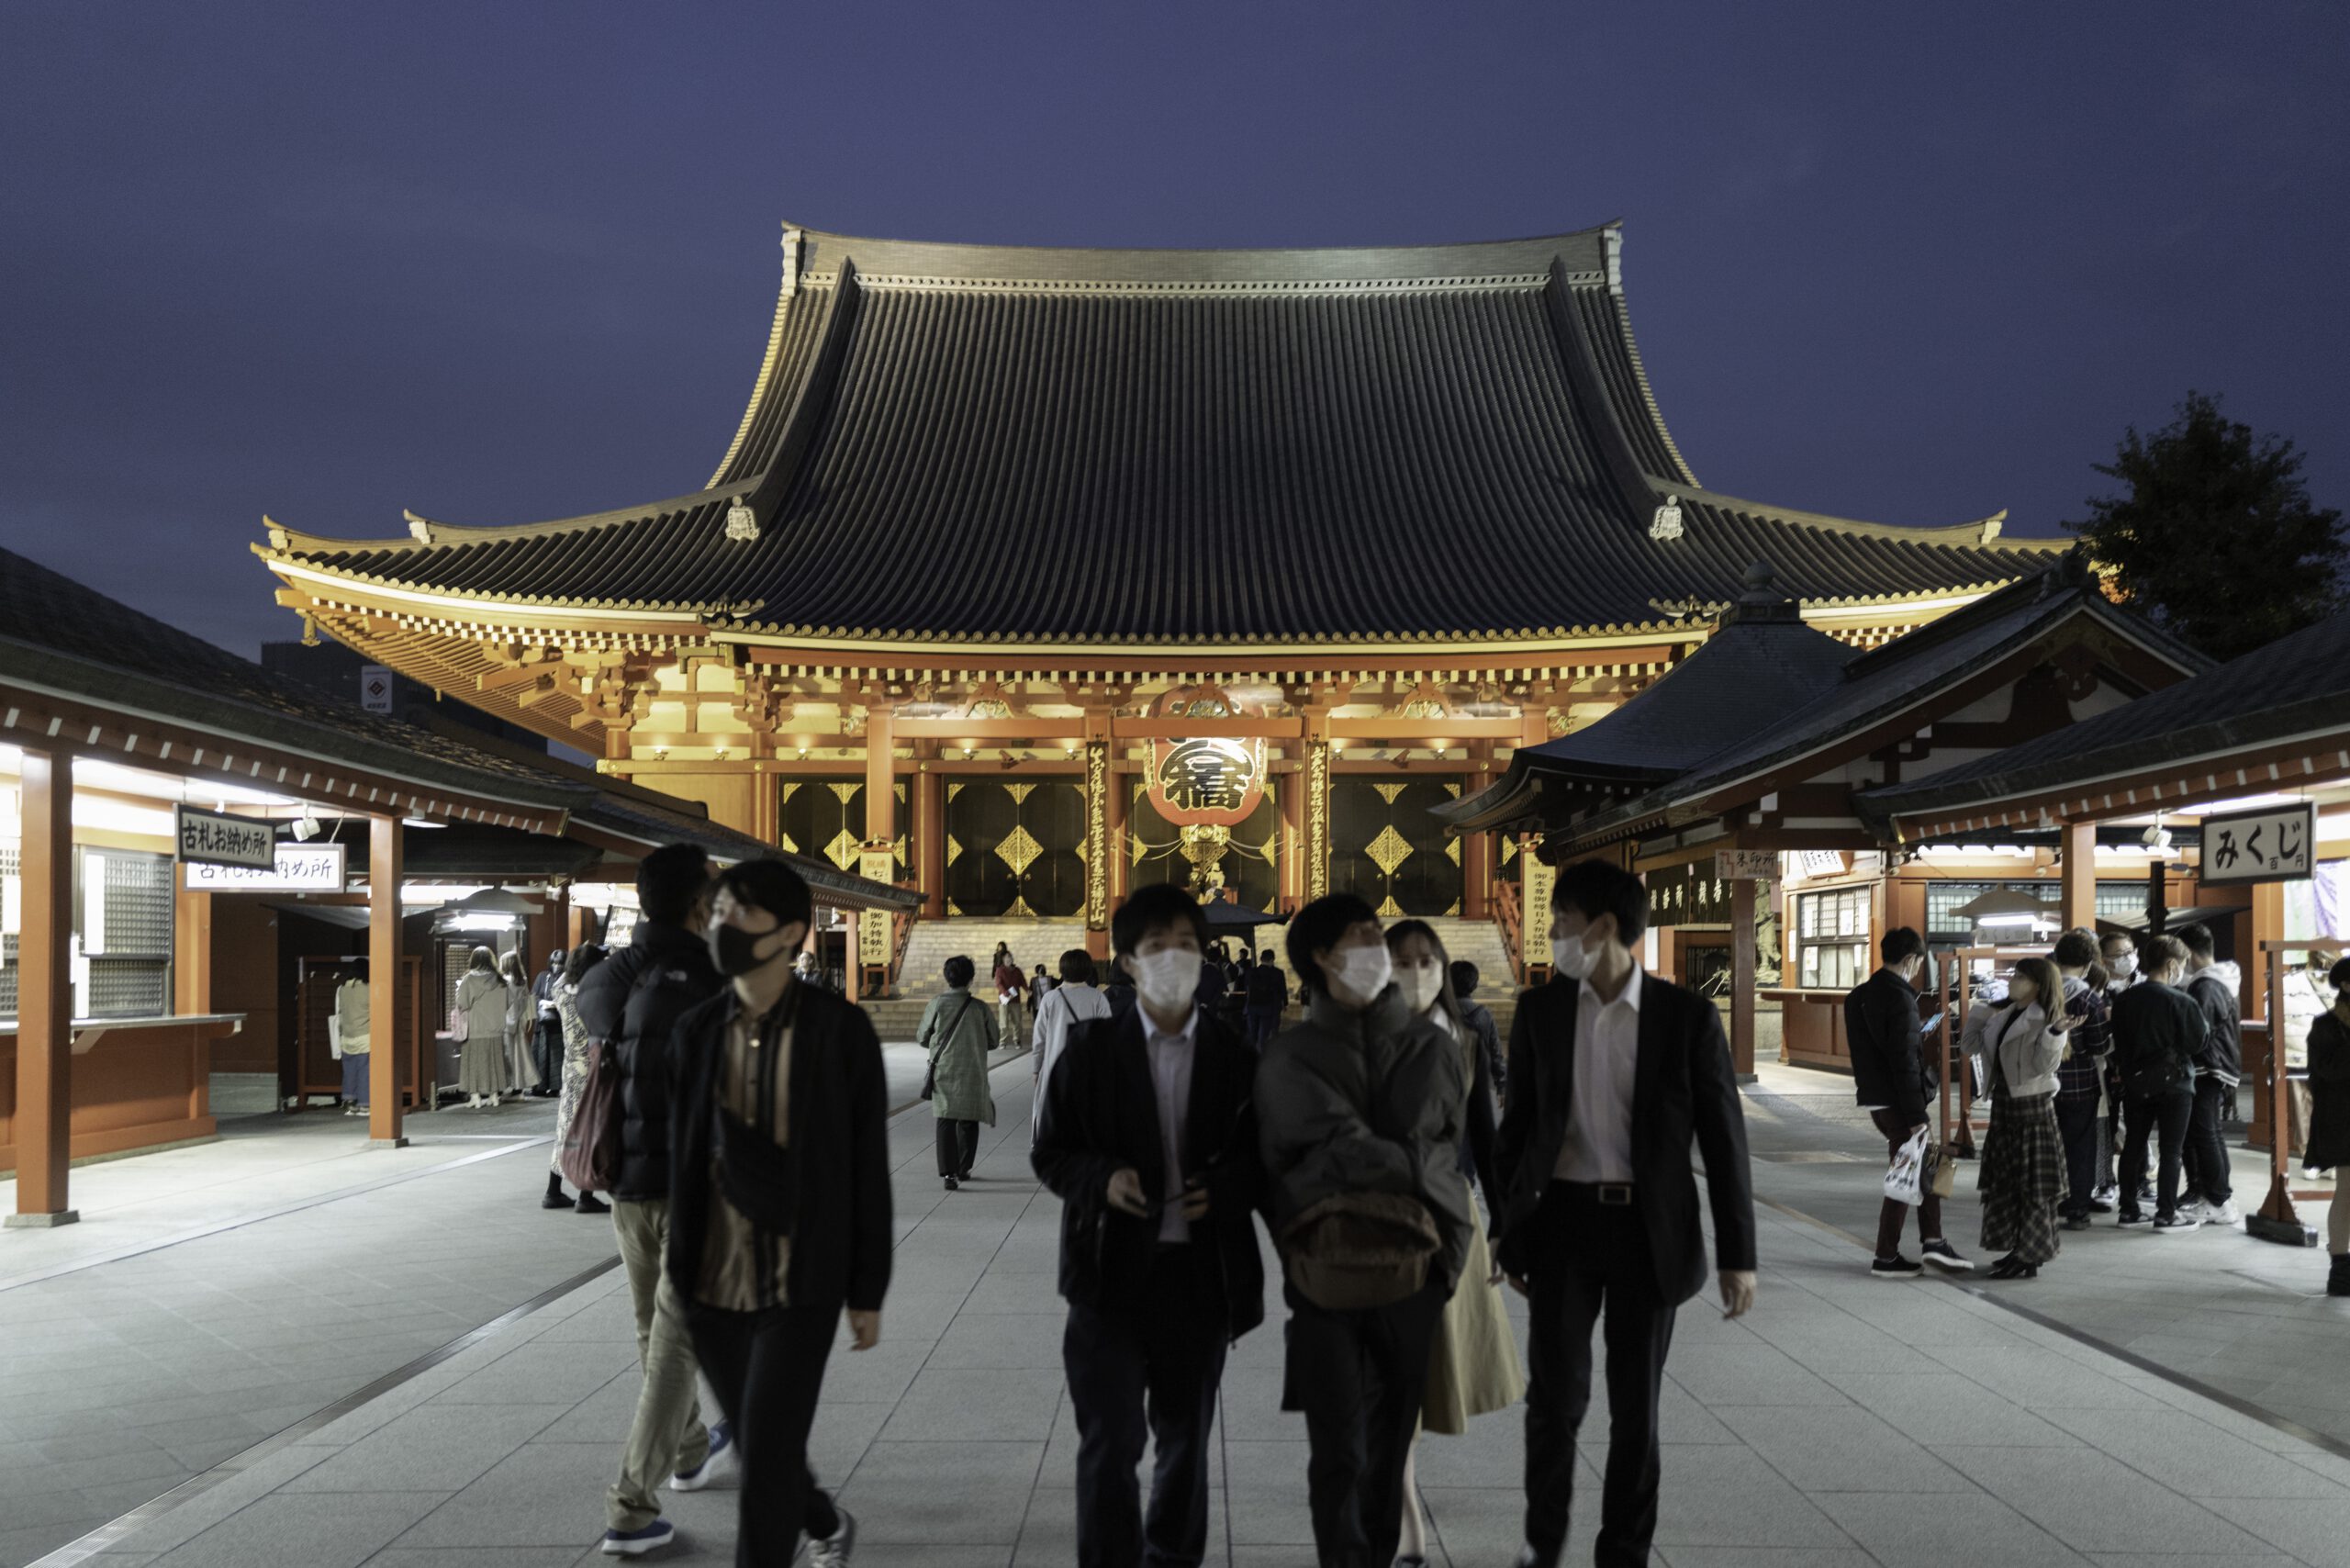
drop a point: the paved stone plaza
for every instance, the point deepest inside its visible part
(1846, 1421)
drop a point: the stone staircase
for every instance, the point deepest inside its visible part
(1480, 942)
(933, 942)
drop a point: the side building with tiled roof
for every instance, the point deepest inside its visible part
(1014, 547)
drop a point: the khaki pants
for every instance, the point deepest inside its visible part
(667, 1435)
(1007, 1025)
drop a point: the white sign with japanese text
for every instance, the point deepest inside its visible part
(2276, 843)
(214, 838)
(301, 869)
(375, 689)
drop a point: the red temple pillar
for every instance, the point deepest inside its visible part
(45, 993)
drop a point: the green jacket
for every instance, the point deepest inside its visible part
(959, 1058)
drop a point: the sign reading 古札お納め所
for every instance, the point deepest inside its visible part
(301, 869)
(215, 838)
(2274, 844)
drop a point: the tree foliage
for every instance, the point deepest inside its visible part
(2215, 537)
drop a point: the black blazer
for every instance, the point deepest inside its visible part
(1682, 1093)
(839, 1146)
(1101, 1114)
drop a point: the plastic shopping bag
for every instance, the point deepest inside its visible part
(1904, 1181)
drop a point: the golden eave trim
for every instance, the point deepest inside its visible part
(459, 606)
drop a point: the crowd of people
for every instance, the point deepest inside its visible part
(2109, 1067)
(752, 1200)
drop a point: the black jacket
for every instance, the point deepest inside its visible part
(2156, 1026)
(839, 1146)
(674, 964)
(1880, 1031)
(1682, 1092)
(1268, 988)
(1101, 1115)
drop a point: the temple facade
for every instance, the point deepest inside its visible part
(1030, 573)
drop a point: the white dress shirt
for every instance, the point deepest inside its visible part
(1598, 1145)
(1171, 1080)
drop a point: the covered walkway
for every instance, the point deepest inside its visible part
(459, 1396)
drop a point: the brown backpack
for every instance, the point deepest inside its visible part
(590, 1156)
(1355, 1250)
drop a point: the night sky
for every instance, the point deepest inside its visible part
(499, 262)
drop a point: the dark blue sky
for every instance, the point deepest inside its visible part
(502, 262)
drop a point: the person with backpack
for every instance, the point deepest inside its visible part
(2214, 988)
(1150, 1145)
(631, 1003)
(1073, 1002)
(1359, 1110)
(956, 1035)
(2157, 1034)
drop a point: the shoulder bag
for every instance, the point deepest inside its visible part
(930, 1078)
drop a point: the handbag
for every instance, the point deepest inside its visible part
(930, 1077)
(459, 1030)
(1905, 1179)
(590, 1156)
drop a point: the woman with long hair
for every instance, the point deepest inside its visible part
(1472, 1361)
(521, 1014)
(481, 1059)
(2023, 1181)
(584, 958)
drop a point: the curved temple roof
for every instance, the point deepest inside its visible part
(954, 443)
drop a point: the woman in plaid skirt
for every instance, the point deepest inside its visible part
(2023, 1181)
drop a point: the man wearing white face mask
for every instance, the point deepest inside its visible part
(1359, 1110)
(1614, 1075)
(1148, 1138)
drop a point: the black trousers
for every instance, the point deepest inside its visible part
(546, 1054)
(2164, 1118)
(1588, 1256)
(2207, 1150)
(958, 1146)
(1158, 1368)
(767, 1369)
(2078, 1121)
(1360, 1377)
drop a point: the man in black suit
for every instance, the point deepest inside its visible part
(1148, 1140)
(1612, 1075)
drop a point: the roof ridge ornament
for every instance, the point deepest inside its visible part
(791, 242)
(1666, 522)
(1611, 246)
(742, 522)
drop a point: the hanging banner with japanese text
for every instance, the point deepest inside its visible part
(214, 838)
(2276, 843)
(301, 869)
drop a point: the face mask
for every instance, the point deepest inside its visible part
(1570, 957)
(1421, 984)
(1359, 974)
(1167, 979)
(735, 951)
(2125, 966)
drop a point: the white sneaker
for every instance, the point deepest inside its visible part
(834, 1550)
(2226, 1214)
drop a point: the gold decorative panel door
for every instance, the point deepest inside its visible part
(1015, 847)
(824, 818)
(1385, 846)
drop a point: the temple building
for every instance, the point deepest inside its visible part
(1032, 573)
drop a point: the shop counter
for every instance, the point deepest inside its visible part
(137, 1083)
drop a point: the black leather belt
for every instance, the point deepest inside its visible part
(1609, 1194)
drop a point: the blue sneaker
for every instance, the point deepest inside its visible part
(721, 1447)
(637, 1543)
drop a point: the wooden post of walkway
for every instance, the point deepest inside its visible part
(2079, 891)
(386, 870)
(45, 993)
(1741, 988)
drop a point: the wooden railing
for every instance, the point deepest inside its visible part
(1511, 922)
(902, 930)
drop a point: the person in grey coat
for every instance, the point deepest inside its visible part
(959, 1031)
(1359, 1110)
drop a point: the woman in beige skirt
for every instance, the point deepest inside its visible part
(1472, 1363)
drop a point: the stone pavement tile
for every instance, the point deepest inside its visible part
(543, 1374)
(2316, 1533)
(1747, 1373)
(1937, 1530)
(1010, 1339)
(840, 1436)
(303, 1532)
(606, 1415)
(1840, 1450)
(2193, 1457)
(1476, 1526)
(1259, 1556)
(2091, 1501)
(533, 1497)
(2181, 1560)
(906, 1315)
(2033, 1379)
(1268, 1513)
(475, 1557)
(440, 1447)
(975, 1492)
(1765, 1557)
(1945, 1408)
(879, 1376)
(1730, 1497)
(1490, 1453)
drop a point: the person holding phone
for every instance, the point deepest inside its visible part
(1149, 1141)
(2023, 1181)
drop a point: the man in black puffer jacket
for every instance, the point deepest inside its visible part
(633, 1000)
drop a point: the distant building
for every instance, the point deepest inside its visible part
(334, 669)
